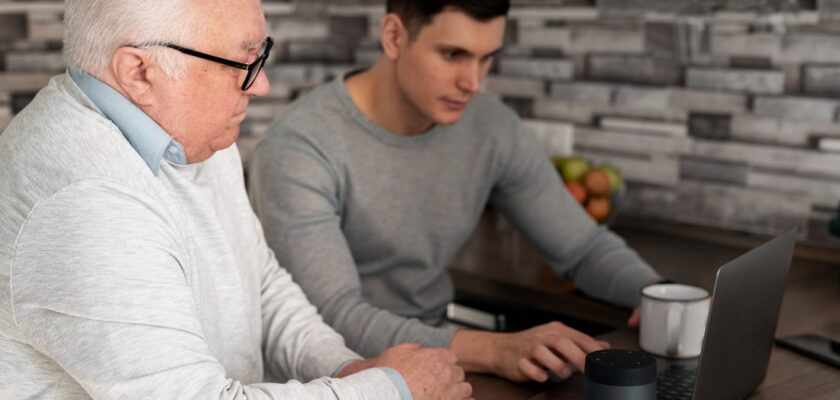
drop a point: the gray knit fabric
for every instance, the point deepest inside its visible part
(368, 221)
(117, 284)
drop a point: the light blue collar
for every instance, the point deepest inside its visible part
(150, 141)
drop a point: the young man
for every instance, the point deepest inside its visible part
(131, 263)
(368, 186)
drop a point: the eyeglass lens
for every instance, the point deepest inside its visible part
(253, 73)
(255, 68)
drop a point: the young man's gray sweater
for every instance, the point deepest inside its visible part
(367, 221)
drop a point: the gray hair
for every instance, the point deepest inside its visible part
(95, 29)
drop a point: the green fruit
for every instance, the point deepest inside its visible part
(574, 168)
(614, 177)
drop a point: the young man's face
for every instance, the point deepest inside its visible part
(442, 67)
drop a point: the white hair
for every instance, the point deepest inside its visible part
(95, 29)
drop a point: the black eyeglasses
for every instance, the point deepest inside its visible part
(253, 68)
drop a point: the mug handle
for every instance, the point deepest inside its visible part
(675, 329)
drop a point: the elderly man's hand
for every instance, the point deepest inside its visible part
(431, 373)
(526, 355)
(356, 366)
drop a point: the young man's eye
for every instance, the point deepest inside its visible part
(451, 55)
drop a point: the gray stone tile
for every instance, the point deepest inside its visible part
(810, 48)
(709, 102)
(14, 82)
(607, 38)
(273, 9)
(816, 191)
(12, 26)
(589, 93)
(522, 106)
(711, 126)
(736, 80)
(746, 45)
(662, 39)
(289, 28)
(563, 110)
(548, 68)
(649, 201)
(529, 36)
(281, 91)
(799, 161)
(5, 117)
(641, 97)
(45, 26)
(634, 69)
(750, 63)
(349, 29)
(551, 10)
(289, 73)
(35, 61)
(778, 131)
(515, 87)
(822, 80)
(650, 5)
(644, 126)
(266, 111)
(641, 144)
(828, 6)
(700, 169)
(305, 50)
(619, 100)
(751, 210)
(793, 77)
(828, 144)
(366, 56)
(557, 138)
(807, 109)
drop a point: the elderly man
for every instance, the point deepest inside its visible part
(368, 186)
(131, 264)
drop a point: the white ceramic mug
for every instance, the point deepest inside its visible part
(673, 320)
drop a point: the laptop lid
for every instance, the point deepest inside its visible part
(742, 321)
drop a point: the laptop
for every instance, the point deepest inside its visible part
(740, 330)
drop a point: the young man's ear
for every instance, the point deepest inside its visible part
(132, 74)
(393, 35)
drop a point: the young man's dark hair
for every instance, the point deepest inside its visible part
(417, 13)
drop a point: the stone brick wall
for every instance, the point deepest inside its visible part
(719, 113)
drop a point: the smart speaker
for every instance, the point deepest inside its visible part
(620, 374)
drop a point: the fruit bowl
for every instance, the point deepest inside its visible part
(598, 189)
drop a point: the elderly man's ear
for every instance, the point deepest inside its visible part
(133, 75)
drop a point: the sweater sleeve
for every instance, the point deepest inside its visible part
(531, 195)
(296, 191)
(100, 288)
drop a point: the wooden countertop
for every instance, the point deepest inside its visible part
(498, 264)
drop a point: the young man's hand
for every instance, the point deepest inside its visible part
(431, 373)
(526, 355)
(635, 318)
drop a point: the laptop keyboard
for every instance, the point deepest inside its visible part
(676, 382)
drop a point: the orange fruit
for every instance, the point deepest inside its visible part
(599, 208)
(597, 182)
(577, 191)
